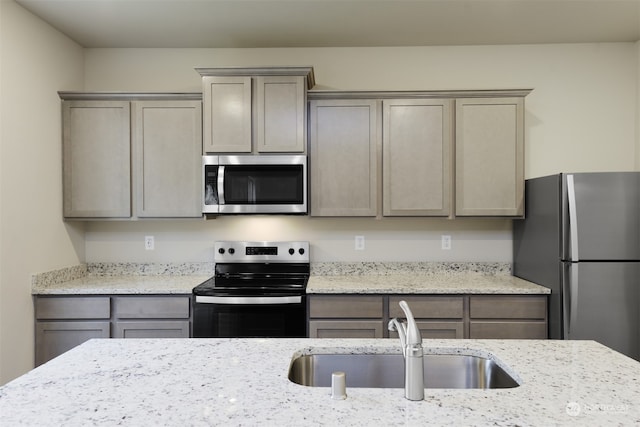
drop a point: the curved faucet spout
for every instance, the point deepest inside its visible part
(413, 333)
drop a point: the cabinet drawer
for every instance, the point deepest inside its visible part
(72, 308)
(345, 329)
(346, 306)
(429, 307)
(508, 307)
(506, 330)
(151, 307)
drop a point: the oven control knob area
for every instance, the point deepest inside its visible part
(292, 251)
(221, 251)
(301, 251)
(231, 251)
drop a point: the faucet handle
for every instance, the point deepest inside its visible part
(412, 332)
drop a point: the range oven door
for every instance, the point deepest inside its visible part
(255, 184)
(249, 316)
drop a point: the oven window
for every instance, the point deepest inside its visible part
(249, 321)
(264, 184)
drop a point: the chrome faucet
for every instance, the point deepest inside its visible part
(411, 342)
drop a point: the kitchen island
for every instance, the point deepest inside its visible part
(201, 382)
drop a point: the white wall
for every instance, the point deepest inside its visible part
(581, 116)
(35, 62)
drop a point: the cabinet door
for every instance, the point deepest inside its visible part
(417, 157)
(168, 158)
(280, 114)
(96, 159)
(344, 140)
(490, 157)
(55, 338)
(227, 114)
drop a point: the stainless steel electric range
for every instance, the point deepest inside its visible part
(258, 290)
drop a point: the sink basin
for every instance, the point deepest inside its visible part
(387, 371)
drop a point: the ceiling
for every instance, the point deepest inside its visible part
(337, 23)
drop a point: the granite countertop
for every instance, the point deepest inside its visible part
(122, 278)
(439, 283)
(357, 278)
(203, 382)
(125, 284)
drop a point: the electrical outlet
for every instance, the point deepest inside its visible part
(149, 243)
(359, 241)
(446, 242)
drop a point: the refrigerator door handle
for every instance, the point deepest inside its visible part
(572, 315)
(573, 219)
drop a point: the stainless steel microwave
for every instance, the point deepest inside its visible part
(260, 184)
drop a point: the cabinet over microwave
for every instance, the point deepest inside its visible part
(255, 184)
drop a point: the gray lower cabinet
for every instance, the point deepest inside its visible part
(508, 316)
(63, 322)
(437, 316)
(151, 317)
(346, 316)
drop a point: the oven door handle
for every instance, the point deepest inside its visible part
(204, 299)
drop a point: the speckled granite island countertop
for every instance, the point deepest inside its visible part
(419, 278)
(233, 382)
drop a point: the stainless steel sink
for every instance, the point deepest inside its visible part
(387, 371)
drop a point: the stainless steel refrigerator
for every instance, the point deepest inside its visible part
(581, 238)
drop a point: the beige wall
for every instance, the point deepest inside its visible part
(581, 116)
(35, 62)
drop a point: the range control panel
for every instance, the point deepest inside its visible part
(230, 251)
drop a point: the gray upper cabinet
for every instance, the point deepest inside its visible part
(423, 153)
(344, 139)
(227, 114)
(132, 155)
(417, 145)
(96, 159)
(281, 117)
(168, 158)
(490, 157)
(255, 110)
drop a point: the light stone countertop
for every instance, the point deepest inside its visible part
(122, 278)
(126, 284)
(234, 382)
(438, 283)
(326, 278)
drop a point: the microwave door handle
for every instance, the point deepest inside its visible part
(221, 185)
